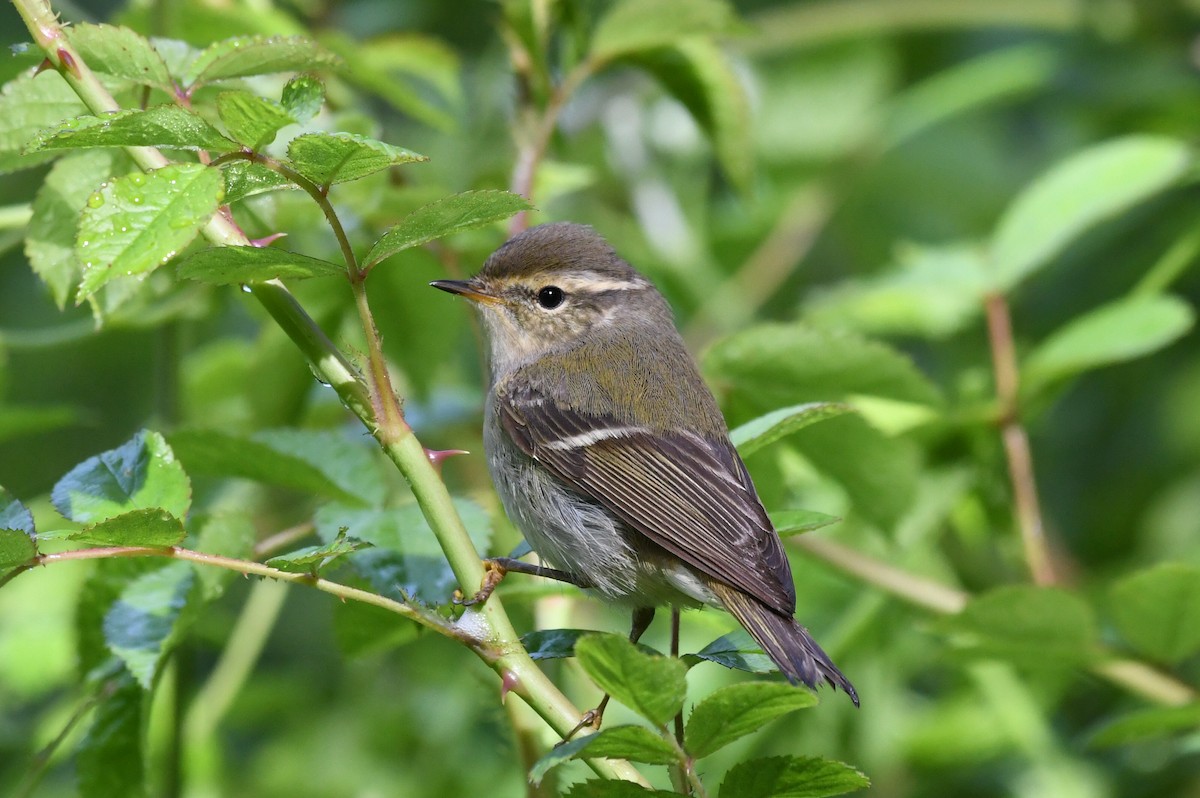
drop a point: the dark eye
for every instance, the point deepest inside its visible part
(550, 297)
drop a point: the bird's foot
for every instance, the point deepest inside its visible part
(590, 719)
(493, 574)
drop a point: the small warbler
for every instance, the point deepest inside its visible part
(609, 452)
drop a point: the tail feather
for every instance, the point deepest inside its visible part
(786, 642)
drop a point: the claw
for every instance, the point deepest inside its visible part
(591, 719)
(493, 574)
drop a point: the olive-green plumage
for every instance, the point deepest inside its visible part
(609, 451)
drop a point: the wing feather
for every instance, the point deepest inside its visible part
(690, 495)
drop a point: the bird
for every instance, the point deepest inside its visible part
(609, 452)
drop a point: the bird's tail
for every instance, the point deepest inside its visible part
(786, 642)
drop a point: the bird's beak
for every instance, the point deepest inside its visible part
(467, 288)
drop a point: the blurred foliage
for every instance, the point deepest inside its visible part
(844, 200)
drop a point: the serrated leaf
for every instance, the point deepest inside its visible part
(29, 104)
(327, 158)
(17, 542)
(57, 209)
(652, 686)
(1146, 724)
(791, 777)
(598, 788)
(1129, 328)
(765, 430)
(306, 460)
(251, 119)
(783, 364)
(1158, 611)
(245, 179)
(797, 522)
(303, 97)
(151, 526)
(242, 56)
(633, 25)
(166, 126)
(143, 623)
(1027, 624)
(736, 651)
(313, 558)
(119, 51)
(700, 75)
(140, 474)
(138, 222)
(736, 710)
(450, 215)
(109, 761)
(236, 264)
(632, 743)
(1085, 189)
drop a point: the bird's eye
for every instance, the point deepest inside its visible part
(550, 297)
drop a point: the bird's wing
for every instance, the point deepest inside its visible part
(691, 496)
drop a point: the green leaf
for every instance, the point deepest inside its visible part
(119, 51)
(325, 463)
(701, 76)
(242, 56)
(878, 473)
(234, 264)
(57, 209)
(736, 710)
(633, 743)
(552, 643)
(143, 624)
(327, 158)
(140, 474)
(407, 562)
(109, 762)
(1032, 625)
(245, 179)
(1087, 188)
(303, 97)
(138, 222)
(736, 651)
(167, 126)
(450, 215)
(1146, 724)
(765, 430)
(932, 292)
(791, 777)
(17, 535)
(418, 75)
(797, 522)
(251, 119)
(634, 25)
(651, 685)
(151, 526)
(29, 104)
(1158, 611)
(783, 364)
(597, 788)
(1129, 328)
(314, 558)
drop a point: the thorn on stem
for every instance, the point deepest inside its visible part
(508, 683)
(436, 456)
(68, 62)
(266, 241)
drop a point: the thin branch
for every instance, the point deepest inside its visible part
(1136, 677)
(1016, 441)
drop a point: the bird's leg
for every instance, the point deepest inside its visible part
(642, 616)
(496, 567)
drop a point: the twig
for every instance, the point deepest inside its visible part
(1016, 441)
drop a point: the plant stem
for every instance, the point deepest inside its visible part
(14, 217)
(1136, 677)
(1016, 441)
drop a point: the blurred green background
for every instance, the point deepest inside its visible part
(887, 139)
